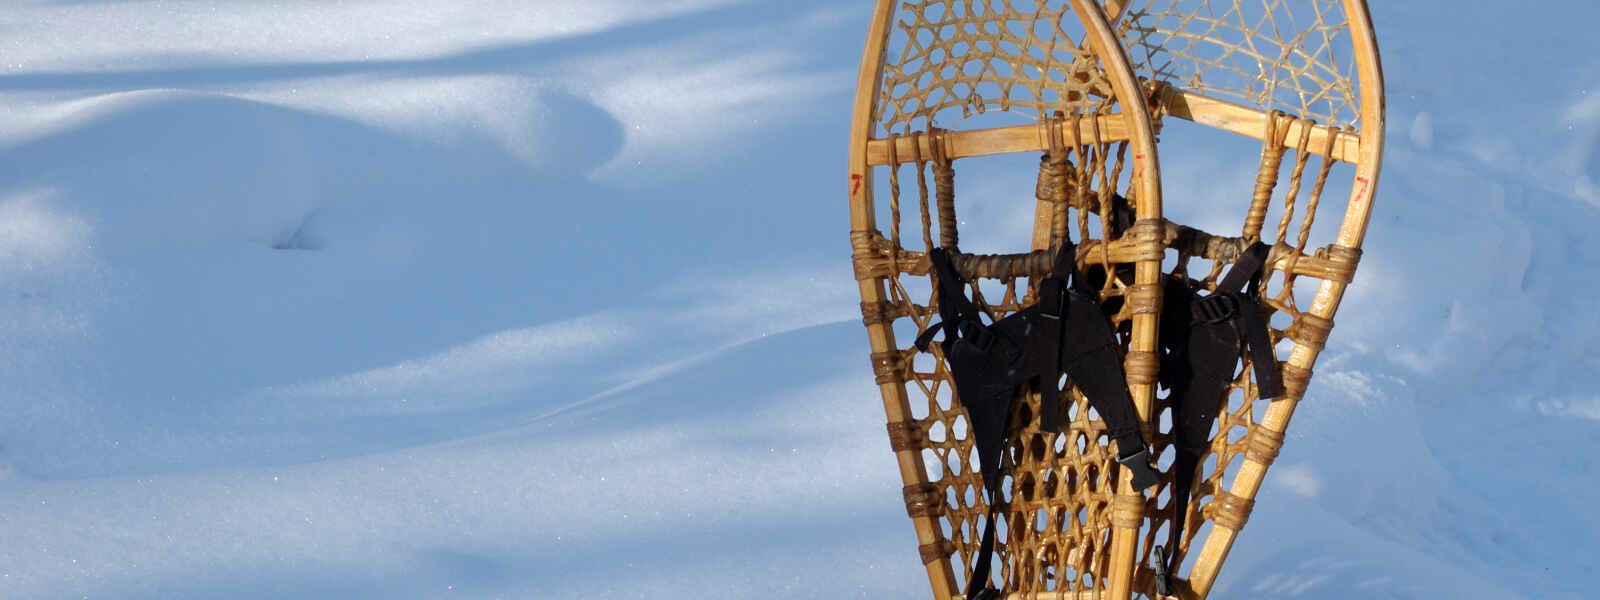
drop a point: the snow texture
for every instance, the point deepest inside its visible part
(494, 299)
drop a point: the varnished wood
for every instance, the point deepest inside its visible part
(998, 140)
(1147, 179)
(896, 405)
(1247, 121)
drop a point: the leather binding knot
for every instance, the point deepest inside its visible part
(1310, 330)
(906, 435)
(1145, 240)
(1263, 445)
(889, 367)
(923, 500)
(1230, 511)
(936, 551)
(1144, 299)
(878, 313)
(1127, 510)
(1343, 260)
(1143, 367)
(1295, 380)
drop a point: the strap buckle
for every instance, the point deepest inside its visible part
(976, 334)
(1138, 463)
(1163, 574)
(1215, 308)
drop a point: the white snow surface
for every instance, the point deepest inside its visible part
(405, 299)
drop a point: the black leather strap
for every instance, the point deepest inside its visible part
(1203, 338)
(1052, 309)
(978, 585)
(1065, 332)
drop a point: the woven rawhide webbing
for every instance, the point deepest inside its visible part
(1302, 77)
(951, 93)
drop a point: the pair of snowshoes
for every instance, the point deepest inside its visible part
(1090, 396)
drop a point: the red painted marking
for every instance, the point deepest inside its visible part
(1364, 184)
(855, 183)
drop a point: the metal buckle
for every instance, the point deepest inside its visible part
(1215, 308)
(1163, 578)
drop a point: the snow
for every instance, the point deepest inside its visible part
(401, 299)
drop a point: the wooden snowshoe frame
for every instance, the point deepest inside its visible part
(1304, 78)
(1071, 519)
(1301, 76)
